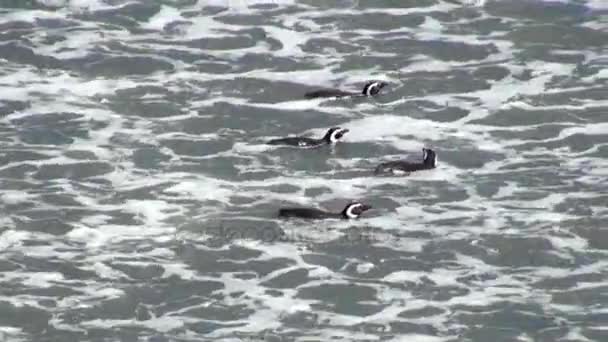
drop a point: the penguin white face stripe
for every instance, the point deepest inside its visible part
(424, 155)
(435, 160)
(349, 210)
(369, 91)
(334, 135)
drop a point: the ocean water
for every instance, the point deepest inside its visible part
(138, 200)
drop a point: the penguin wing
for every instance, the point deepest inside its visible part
(328, 93)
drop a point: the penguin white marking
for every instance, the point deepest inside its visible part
(349, 211)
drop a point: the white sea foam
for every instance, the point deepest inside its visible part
(11, 238)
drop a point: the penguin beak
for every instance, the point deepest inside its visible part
(366, 207)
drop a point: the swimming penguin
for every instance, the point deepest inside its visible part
(331, 137)
(429, 161)
(352, 211)
(371, 88)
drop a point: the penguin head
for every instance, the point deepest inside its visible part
(354, 209)
(334, 134)
(429, 157)
(373, 87)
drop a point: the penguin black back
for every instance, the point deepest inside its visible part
(332, 136)
(308, 213)
(352, 211)
(328, 93)
(371, 88)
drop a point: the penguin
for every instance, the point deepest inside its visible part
(371, 88)
(352, 211)
(331, 137)
(429, 161)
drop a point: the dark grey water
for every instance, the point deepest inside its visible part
(138, 201)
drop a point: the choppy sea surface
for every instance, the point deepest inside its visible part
(138, 200)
